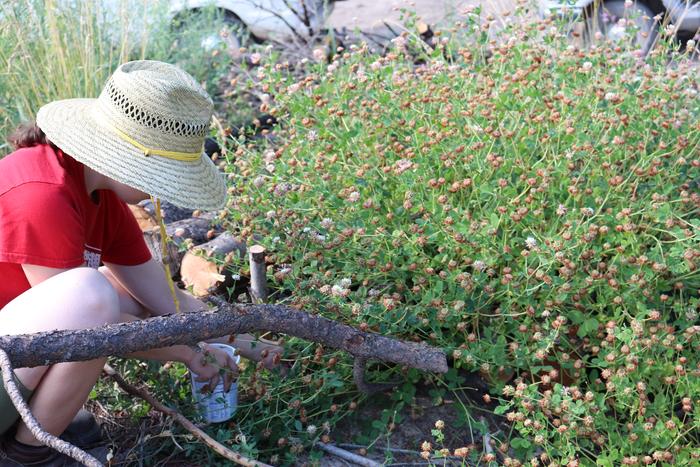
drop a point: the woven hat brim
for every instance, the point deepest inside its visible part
(70, 125)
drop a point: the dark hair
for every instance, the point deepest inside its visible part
(28, 134)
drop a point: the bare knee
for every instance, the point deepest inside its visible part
(99, 301)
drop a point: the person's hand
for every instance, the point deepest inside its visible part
(210, 364)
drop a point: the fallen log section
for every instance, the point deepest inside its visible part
(47, 348)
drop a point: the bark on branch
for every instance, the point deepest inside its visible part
(30, 421)
(47, 348)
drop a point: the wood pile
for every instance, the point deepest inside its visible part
(195, 248)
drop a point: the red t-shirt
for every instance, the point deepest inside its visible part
(48, 219)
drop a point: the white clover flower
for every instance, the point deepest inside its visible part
(270, 167)
(479, 265)
(236, 277)
(586, 67)
(293, 88)
(373, 292)
(319, 237)
(403, 165)
(306, 229)
(337, 290)
(311, 429)
(587, 211)
(255, 58)
(282, 189)
(376, 65)
(354, 196)
(531, 243)
(345, 282)
(610, 96)
(319, 54)
(325, 290)
(275, 240)
(628, 3)
(327, 223)
(562, 210)
(399, 41)
(269, 156)
(259, 181)
(398, 78)
(270, 214)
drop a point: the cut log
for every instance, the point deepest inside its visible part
(197, 229)
(169, 212)
(199, 268)
(258, 274)
(145, 220)
(50, 347)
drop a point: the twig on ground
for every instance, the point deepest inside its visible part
(42, 436)
(188, 425)
(487, 443)
(401, 451)
(346, 455)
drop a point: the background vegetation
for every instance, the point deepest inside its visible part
(528, 204)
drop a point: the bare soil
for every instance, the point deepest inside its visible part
(400, 443)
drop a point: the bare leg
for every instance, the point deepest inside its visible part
(75, 299)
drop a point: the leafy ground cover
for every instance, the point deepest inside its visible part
(528, 205)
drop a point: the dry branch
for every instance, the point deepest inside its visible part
(346, 455)
(28, 418)
(168, 211)
(182, 420)
(122, 339)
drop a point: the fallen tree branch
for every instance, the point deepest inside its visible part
(182, 420)
(47, 348)
(28, 418)
(346, 455)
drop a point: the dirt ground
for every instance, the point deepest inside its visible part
(369, 14)
(401, 446)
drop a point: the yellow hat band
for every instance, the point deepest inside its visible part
(178, 156)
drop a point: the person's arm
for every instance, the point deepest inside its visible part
(205, 361)
(148, 285)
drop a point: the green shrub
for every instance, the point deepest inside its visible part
(527, 205)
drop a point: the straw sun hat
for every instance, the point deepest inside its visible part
(146, 130)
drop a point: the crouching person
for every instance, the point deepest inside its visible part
(63, 213)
